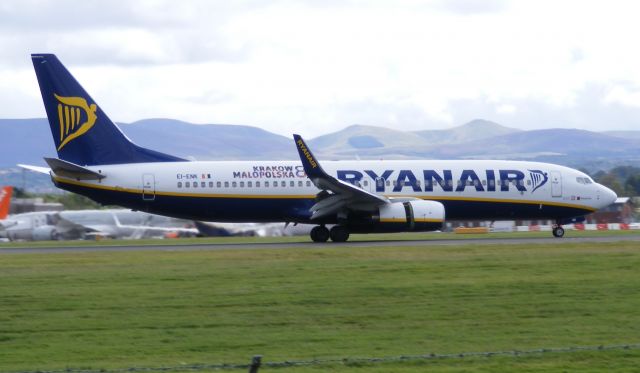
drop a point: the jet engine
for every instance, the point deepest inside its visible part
(410, 216)
(45, 233)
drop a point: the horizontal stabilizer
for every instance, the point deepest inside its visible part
(68, 169)
(38, 169)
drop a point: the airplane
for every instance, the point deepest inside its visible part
(97, 160)
(85, 224)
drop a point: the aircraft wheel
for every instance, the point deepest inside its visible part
(339, 234)
(319, 234)
(558, 232)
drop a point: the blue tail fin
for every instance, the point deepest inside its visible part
(82, 132)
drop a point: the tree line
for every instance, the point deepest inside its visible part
(624, 180)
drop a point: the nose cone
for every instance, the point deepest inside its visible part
(607, 196)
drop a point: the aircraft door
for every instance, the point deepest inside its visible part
(556, 184)
(148, 187)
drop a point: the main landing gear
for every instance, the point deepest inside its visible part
(337, 234)
(558, 231)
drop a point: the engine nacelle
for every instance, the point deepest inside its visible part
(45, 233)
(411, 216)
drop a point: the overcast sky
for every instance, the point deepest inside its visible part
(318, 66)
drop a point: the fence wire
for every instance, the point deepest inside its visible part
(345, 361)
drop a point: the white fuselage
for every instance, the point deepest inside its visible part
(224, 191)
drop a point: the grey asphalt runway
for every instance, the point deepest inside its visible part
(311, 245)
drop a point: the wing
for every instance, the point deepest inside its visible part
(342, 196)
(75, 229)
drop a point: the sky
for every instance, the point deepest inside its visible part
(314, 67)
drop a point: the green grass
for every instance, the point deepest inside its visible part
(303, 239)
(121, 309)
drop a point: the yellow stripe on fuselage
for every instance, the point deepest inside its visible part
(503, 200)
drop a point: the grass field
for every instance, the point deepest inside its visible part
(110, 310)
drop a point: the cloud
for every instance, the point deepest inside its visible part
(470, 7)
(119, 32)
(320, 66)
(591, 110)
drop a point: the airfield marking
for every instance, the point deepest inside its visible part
(285, 245)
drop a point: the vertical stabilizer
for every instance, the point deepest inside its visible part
(82, 132)
(5, 201)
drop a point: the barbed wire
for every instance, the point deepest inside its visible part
(345, 361)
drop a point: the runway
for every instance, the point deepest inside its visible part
(312, 245)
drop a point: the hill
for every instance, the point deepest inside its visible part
(477, 129)
(28, 140)
(209, 141)
(556, 142)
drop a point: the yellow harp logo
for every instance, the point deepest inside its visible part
(70, 113)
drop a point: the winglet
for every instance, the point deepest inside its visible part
(5, 201)
(310, 163)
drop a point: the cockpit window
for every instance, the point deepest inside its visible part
(584, 180)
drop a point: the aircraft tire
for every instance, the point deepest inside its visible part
(558, 232)
(339, 234)
(319, 234)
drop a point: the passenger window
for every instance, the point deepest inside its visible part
(292, 183)
(219, 184)
(299, 183)
(226, 184)
(528, 182)
(242, 184)
(195, 184)
(366, 183)
(249, 184)
(257, 184)
(283, 183)
(234, 184)
(492, 183)
(266, 184)
(187, 184)
(211, 184)
(308, 183)
(484, 182)
(203, 184)
(389, 183)
(179, 184)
